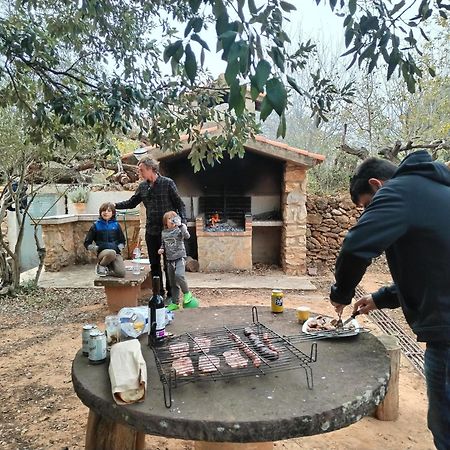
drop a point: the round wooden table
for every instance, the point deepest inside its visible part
(350, 379)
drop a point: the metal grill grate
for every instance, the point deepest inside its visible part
(412, 351)
(222, 340)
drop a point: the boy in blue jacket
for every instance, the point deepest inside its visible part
(109, 242)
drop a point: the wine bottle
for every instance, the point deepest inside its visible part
(156, 315)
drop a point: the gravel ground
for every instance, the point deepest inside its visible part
(41, 332)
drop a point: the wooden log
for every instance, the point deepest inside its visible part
(388, 409)
(102, 434)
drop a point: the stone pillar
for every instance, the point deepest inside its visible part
(293, 236)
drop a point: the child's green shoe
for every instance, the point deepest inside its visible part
(189, 301)
(173, 306)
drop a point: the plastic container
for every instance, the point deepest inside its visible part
(136, 267)
(113, 333)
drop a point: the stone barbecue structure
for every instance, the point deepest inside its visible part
(245, 210)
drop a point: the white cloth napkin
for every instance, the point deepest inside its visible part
(127, 372)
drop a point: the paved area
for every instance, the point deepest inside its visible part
(82, 276)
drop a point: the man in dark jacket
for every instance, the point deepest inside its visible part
(408, 217)
(158, 194)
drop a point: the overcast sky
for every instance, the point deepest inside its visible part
(309, 21)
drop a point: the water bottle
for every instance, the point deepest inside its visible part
(137, 253)
(136, 257)
(156, 315)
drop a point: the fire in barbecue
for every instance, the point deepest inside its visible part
(214, 219)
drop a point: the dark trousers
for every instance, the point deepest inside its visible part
(437, 373)
(153, 242)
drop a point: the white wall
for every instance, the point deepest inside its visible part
(98, 197)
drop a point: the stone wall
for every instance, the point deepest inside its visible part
(64, 239)
(293, 234)
(329, 219)
(224, 251)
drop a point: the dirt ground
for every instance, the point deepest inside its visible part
(41, 332)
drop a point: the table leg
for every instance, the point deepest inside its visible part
(202, 445)
(102, 434)
(388, 409)
(121, 296)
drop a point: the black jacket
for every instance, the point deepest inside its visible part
(106, 235)
(158, 198)
(409, 218)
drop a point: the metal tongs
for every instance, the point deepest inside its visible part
(340, 324)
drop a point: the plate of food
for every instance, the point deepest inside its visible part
(326, 327)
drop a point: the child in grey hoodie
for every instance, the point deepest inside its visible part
(172, 244)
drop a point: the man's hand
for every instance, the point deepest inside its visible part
(338, 308)
(365, 304)
(160, 251)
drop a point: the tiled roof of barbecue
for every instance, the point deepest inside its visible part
(259, 144)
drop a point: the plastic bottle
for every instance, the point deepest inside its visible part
(136, 257)
(137, 253)
(157, 315)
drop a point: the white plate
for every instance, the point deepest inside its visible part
(332, 333)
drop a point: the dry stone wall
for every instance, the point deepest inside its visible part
(328, 220)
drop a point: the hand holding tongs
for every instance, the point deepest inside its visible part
(340, 324)
(356, 313)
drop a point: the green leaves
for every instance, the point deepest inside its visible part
(277, 95)
(197, 38)
(288, 7)
(98, 63)
(190, 64)
(172, 49)
(352, 6)
(394, 59)
(261, 74)
(237, 97)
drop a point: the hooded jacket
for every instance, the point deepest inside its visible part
(409, 219)
(106, 234)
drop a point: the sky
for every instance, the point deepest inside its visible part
(313, 21)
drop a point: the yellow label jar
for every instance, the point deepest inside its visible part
(277, 301)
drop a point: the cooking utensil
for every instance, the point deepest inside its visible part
(356, 313)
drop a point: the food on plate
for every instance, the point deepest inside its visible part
(234, 359)
(208, 363)
(321, 323)
(183, 366)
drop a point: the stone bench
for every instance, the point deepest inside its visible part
(125, 292)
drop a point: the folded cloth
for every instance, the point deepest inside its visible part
(127, 372)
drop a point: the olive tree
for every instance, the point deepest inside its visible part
(100, 64)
